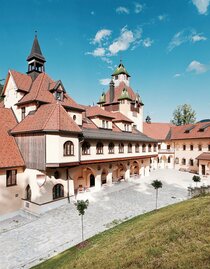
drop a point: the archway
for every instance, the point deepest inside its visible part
(103, 176)
(92, 180)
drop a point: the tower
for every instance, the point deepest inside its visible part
(120, 75)
(35, 60)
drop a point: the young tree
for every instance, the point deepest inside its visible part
(196, 179)
(81, 206)
(157, 184)
(183, 114)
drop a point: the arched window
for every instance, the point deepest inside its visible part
(85, 148)
(184, 147)
(121, 148)
(68, 148)
(111, 148)
(137, 148)
(58, 191)
(28, 193)
(169, 159)
(191, 147)
(199, 147)
(143, 148)
(129, 148)
(149, 148)
(183, 161)
(99, 148)
(177, 160)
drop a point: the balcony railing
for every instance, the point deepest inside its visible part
(166, 151)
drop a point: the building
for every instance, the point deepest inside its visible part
(53, 147)
(186, 148)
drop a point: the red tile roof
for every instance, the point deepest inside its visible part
(118, 91)
(9, 153)
(93, 111)
(49, 117)
(179, 132)
(40, 91)
(120, 117)
(22, 81)
(157, 130)
(204, 156)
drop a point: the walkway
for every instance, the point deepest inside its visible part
(26, 242)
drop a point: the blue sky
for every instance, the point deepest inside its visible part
(164, 44)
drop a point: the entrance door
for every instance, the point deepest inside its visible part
(203, 169)
(92, 180)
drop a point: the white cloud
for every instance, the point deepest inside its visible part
(122, 10)
(104, 81)
(202, 6)
(126, 38)
(198, 37)
(147, 42)
(186, 35)
(98, 52)
(138, 8)
(162, 17)
(197, 67)
(101, 35)
(106, 60)
(177, 75)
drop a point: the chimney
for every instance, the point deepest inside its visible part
(111, 91)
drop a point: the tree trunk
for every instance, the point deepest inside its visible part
(82, 228)
(156, 197)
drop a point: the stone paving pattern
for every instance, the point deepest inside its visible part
(25, 242)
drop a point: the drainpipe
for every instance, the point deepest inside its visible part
(67, 175)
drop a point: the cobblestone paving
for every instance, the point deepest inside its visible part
(37, 239)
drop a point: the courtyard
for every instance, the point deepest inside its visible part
(27, 240)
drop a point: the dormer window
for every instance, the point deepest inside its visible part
(58, 96)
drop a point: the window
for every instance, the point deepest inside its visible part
(23, 113)
(121, 148)
(58, 191)
(149, 148)
(143, 148)
(159, 147)
(68, 149)
(137, 148)
(191, 162)
(58, 96)
(116, 77)
(184, 147)
(191, 147)
(99, 148)
(183, 161)
(111, 148)
(168, 146)
(74, 117)
(11, 178)
(199, 147)
(169, 159)
(28, 193)
(85, 148)
(103, 123)
(177, 161)
(155, 147)
(129, 148)
(208, 147)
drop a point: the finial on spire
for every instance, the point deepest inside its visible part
(36, 32)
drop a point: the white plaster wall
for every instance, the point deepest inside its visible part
(54, 149)
(190, 154)
(78, 117)
(10, 197)
(121, 78)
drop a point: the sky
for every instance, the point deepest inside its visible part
(164, 45)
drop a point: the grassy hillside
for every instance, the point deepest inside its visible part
(177, 236)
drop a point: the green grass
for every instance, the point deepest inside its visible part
(174, 237)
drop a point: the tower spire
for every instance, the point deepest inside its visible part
(35, 59)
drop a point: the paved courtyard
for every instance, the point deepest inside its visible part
(26, 241)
